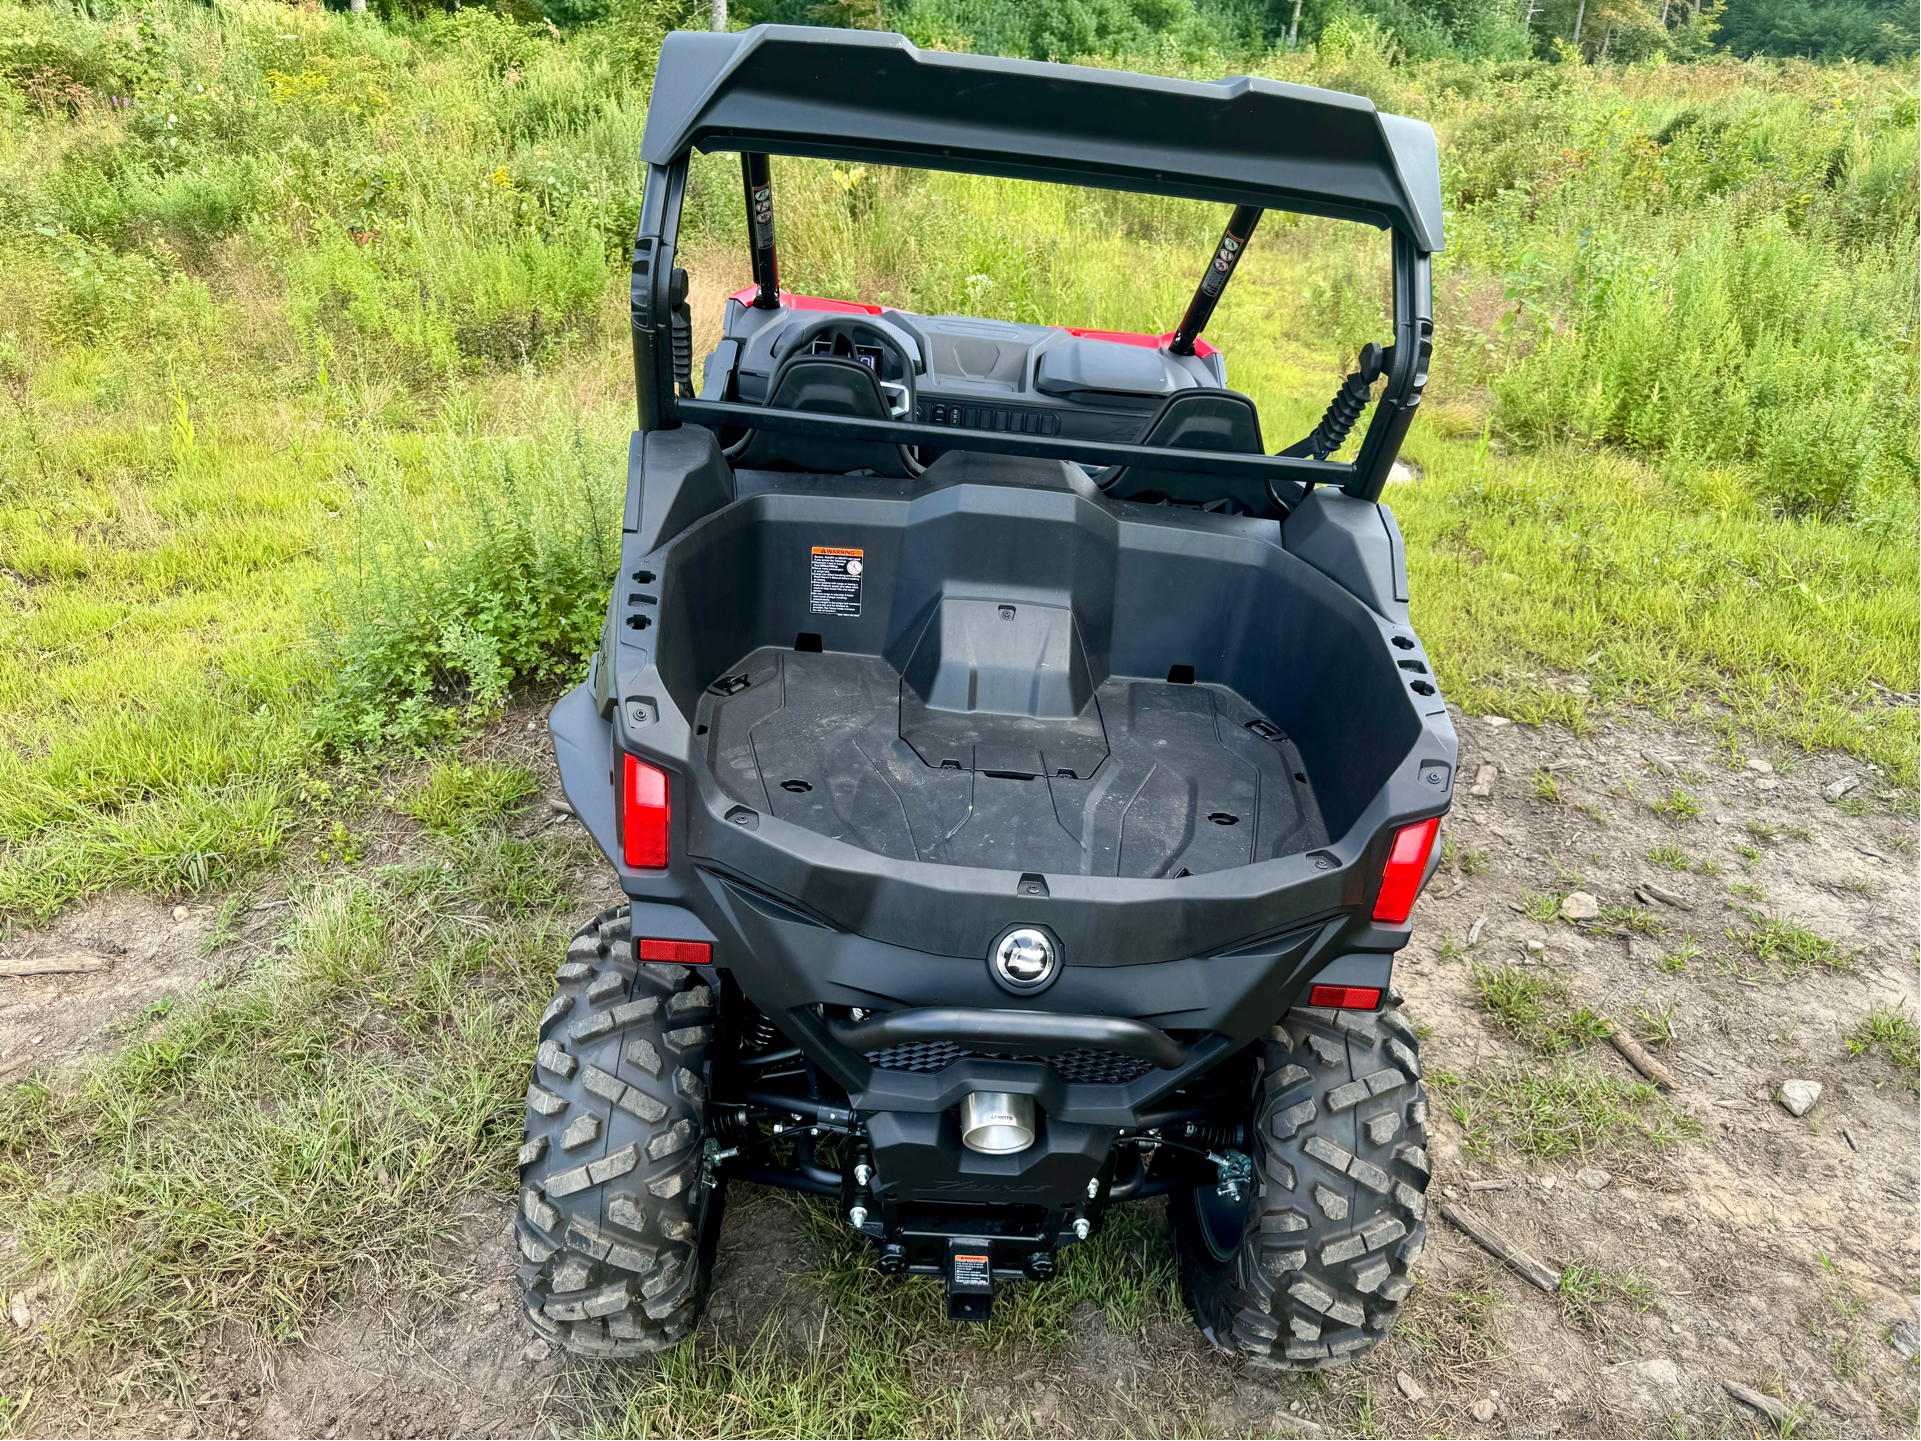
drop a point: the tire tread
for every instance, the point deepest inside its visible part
(615, 1232)
(1339, 1129)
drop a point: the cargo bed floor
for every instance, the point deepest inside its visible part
(1151, 779)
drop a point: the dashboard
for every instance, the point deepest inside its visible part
(968, 372)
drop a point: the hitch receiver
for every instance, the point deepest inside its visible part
(970, 1280)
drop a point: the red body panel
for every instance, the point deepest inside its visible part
(791, 301)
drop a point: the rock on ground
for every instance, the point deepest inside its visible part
(1800, 1096)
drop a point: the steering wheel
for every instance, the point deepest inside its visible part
(854, 338)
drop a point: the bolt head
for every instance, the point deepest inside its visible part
(1081, 1228)
(1093, 1187)
(857, 1217)
(863, 1173)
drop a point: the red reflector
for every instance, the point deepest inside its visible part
(675, 953)
(1406, 867)
(643, 815)
(1346, 998)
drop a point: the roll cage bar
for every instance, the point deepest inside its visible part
(871, 97)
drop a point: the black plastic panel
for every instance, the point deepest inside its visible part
(1191, 779)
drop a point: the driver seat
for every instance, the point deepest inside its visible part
(830, 385)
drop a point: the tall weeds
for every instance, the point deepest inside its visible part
(436, 605)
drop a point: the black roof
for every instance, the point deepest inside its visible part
(872, 97)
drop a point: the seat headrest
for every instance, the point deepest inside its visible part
(828, 385)
(1223, 420)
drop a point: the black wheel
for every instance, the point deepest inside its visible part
(615, 1228)
(1309, 1270)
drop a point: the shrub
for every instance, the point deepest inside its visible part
(1732, 295)
(428, 617)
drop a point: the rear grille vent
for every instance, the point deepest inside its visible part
(1087, 1066)
(922, 1057)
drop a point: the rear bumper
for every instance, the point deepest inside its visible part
(1122, 1040)
(1133, 1031)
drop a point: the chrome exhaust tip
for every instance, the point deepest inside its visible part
(996, 1123)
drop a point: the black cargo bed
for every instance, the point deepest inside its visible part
(1150, 779)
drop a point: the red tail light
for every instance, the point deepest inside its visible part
(1346, 998)
(674, 953)
(1406, 868)
(643, 814)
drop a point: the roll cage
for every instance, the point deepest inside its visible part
(870, 97)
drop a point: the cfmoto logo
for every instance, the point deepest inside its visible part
(1025, 959)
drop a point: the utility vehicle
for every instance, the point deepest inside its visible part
(1019, 777)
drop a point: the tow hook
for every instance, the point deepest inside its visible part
(1236, 1171)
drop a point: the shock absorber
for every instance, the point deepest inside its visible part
(1346, 406)
(1220, 270)
(757, 1033)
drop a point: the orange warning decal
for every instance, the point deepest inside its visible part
(835, 580)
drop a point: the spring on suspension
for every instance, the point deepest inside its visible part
(758, 1033)
(1348, 403)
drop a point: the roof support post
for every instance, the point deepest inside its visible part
(756, 178)
(650, 296)
(1407, 372)
(1220, 270)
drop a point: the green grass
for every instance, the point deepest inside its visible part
(1675, 858)
(314, 401)
(1543, 908)
(247, 1150)
(863, 1373)
(1543, 787)
(1676, 805)
(1585, 1291)
(1453, 1329)
(1783, 949)
(847, 1384)
(1633, 918)
(1463, 859)
(1560, 1110)
(1658, 1023)
(1682, 956)
(1895, 1037)
(1772, 831)
(199, 839)
(1534, 1006)
(454, 797)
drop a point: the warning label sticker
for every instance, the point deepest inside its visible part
(835, 581)
(972, 1271)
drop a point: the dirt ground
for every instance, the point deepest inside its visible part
(1777, 1252)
